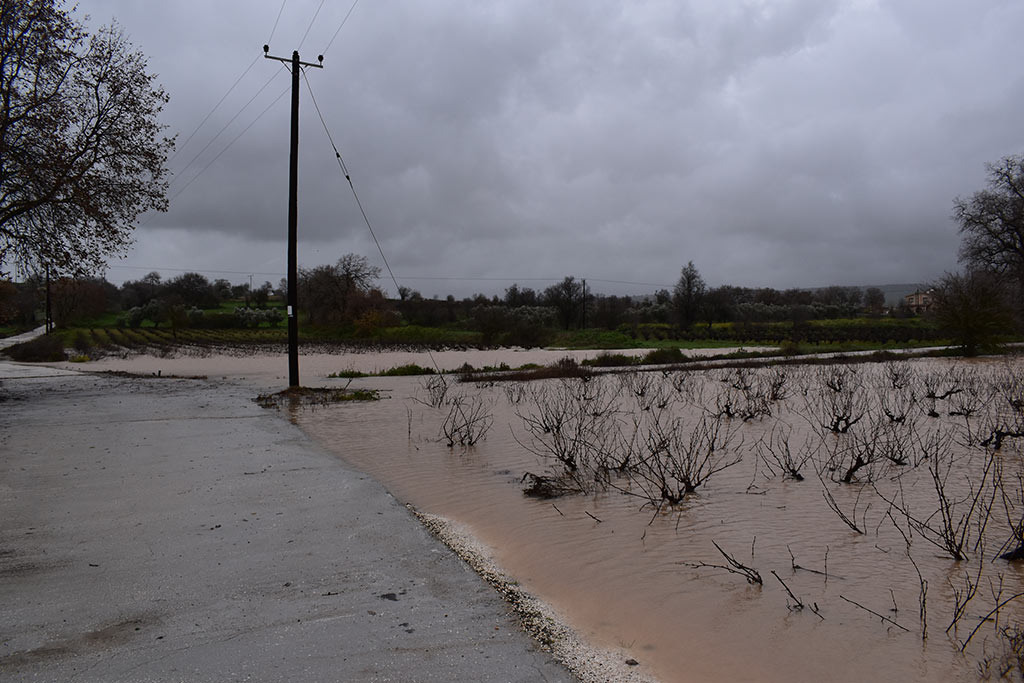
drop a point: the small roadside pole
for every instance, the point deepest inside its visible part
(293, 213)
(49, 306)
(584, 303)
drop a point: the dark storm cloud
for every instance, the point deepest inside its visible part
(773, 142)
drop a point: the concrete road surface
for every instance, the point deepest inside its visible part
(172, 530)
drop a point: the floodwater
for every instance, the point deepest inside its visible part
(269, 370)
(648, 582)
(632, 580)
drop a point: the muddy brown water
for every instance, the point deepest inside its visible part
(633, 581)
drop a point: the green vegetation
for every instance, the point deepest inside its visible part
(297, 397)
(830, 336)
(663, 357)
(410, 370)
(347, 374)
(11, 330)
(610, 360)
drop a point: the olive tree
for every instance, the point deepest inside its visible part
(81, 150)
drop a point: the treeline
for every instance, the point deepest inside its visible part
(183, 300)
(346, 297)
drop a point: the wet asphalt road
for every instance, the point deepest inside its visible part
(172, 530)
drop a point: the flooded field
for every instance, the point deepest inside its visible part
(271, 369)
(839, 523)
(847, 491)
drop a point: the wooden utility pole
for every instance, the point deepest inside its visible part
(293, 214)
(49, 306)
(584, 303)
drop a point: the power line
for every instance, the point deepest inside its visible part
(234, 85)
(311, 22)
(227, 125)
(279, 12)
(431, 278)
(150, 269)
(228, 146)
(366, 219)
(343, 21)
(627, 282)
(344, 170)
(215, 107)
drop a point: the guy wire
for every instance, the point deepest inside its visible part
(344, 170)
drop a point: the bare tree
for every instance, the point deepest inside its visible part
(688, 295)
(567, 298)
(992, 221)
(330, 293)
(973, 307)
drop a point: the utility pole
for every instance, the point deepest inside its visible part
(584, 303)
(293, 214)
(49, 307)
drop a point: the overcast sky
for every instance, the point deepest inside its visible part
(772, 142)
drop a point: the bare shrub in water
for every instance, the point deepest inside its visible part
(962, 505)
(930, 444)
(1008, 660)
(639, 384)
(839, 402)
(680, 459)
(734, 566)
(468, 421)
(775, 386)
(778, 455)
(436, 388)
(1010, 387)
(848, 518)
(939, 386)
(838, 378)
(514, 392)
(899, 375)
(866, 452)
(1011, 497)
(571, 425)
(1005, 419)
(999, 427)
(897, 404)
(648, 390)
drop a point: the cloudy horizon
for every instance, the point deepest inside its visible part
(781, 143)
